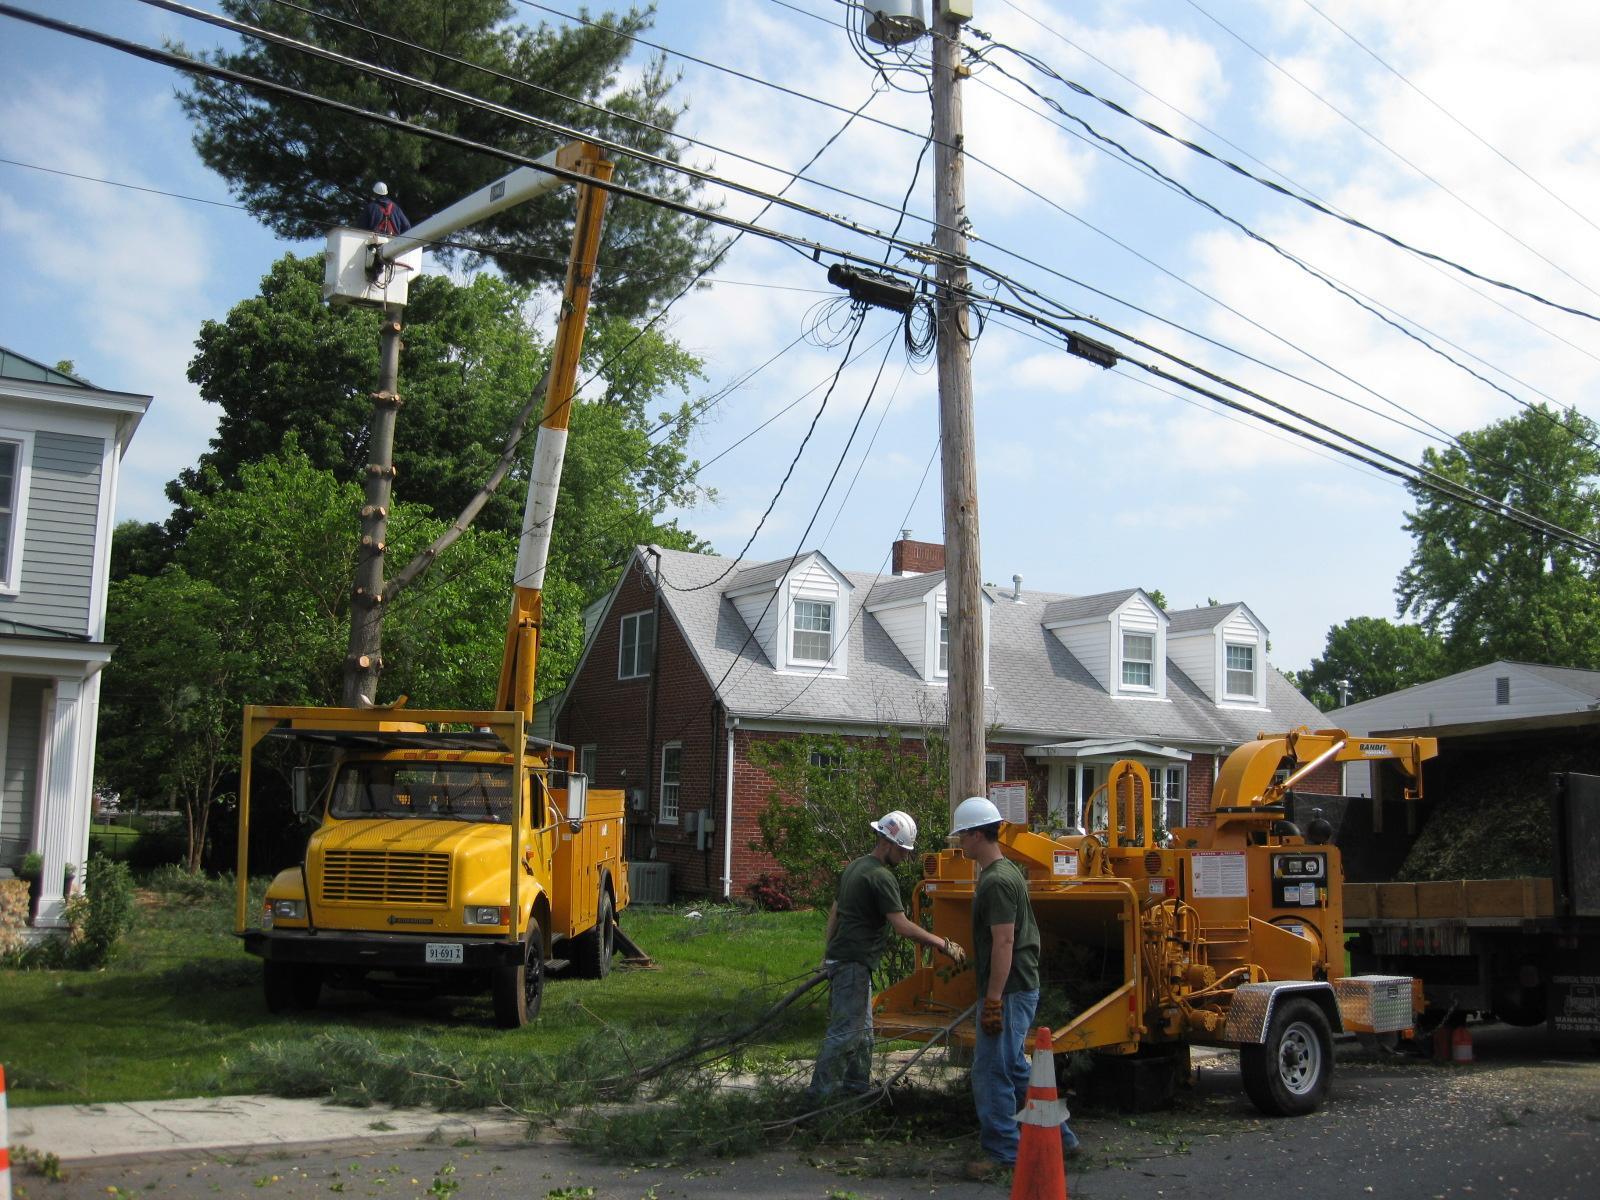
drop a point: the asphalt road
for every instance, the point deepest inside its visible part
(1523, 1121)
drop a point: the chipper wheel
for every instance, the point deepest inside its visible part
(1288, 1074)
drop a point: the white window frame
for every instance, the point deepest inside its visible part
(988, 759)
(1228, 672)
(941, 644)
(1125, 660)
(589, 761)
(11, 567)
(640, 670)
(795, 630)
(1169, 786)
(668, 813)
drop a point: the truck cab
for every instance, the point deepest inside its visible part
(450, 860)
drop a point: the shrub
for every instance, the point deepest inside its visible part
(32, 866)
(771, 893)
(100, 918)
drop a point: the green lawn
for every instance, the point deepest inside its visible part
(182, 1004)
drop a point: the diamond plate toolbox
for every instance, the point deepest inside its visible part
(1375, 1003)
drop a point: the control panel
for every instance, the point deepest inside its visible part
(1299, 880)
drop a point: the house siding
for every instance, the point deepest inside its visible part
(1091, 646)
(58, 547)
(19, 783)
(908, 627)
(1196, 656)
(750, 608)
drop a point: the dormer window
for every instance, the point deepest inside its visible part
(1138, 659)
(813, 631)
(1241, 671)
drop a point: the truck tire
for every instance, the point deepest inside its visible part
(290, 987)
(594, 950)
(1288, 1075)
(519, 991)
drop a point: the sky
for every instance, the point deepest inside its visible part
(1464, 128)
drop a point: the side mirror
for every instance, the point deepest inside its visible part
(302, 791)
(577, 796)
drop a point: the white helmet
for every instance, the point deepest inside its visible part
(973, 812)
(899, 828)
(380, 188)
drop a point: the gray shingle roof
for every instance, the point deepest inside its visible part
(769, 572)
(909, 587)
(1576, 678)
(1085, 608)
(1037, 688)
(1187, 620)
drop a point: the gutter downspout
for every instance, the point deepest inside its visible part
(727, 818)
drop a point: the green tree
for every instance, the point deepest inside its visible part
(1490, 588)
(283, 363)
(1375, 656)
(254, 610)
(301, 168)
(169, 721)
(139, 548)
(826, 790)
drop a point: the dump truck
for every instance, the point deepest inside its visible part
(1231, 934)
(1525, 950)
(452, 851)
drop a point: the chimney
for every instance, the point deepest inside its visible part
(916, 558)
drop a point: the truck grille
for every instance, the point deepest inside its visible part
(386, 877)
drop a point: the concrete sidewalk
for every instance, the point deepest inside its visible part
(153, 1129)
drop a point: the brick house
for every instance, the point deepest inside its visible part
(760, 651)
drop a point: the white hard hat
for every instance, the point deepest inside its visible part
(380, 188)
(899, 828)
(973, 812)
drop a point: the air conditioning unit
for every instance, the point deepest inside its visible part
(650, 882)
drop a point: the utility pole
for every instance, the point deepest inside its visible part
(963, 561)
(364, 661)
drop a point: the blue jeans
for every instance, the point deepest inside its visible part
(1000, 1073)
(845, 1063)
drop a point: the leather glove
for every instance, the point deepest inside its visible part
(955, 953)
(993, 1019)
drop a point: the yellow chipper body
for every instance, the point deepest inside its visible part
(1231, 934)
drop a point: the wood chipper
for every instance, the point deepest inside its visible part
(1230, 934)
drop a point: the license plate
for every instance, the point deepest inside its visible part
(443, 952)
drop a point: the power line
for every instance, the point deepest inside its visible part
(1473, 133)
(556, 128)
(568, 98)
(1255, 236)
(1276, 66)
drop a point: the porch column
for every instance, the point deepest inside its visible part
(61, 829)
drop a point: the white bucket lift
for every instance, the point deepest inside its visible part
(354, 272)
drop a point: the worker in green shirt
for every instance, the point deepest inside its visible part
(1005, 951)
(867, 907)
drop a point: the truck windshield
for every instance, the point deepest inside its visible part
(460, 791)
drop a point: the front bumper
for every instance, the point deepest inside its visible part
(377, 951)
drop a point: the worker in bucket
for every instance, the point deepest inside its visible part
(1005, 951)
(383, 216)
(867, 907)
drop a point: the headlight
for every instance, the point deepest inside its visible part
(283, 910)
(486, 914)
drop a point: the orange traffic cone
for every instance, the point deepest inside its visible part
(1041, 1171)
(5, 1143)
